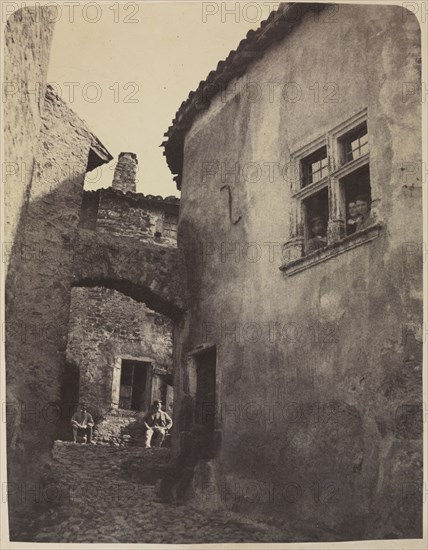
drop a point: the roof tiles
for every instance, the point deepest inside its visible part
(278, 24)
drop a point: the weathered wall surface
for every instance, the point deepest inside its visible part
(28, 36)
(125, 173)
(133, 215)
(149, 273)
(105, 325)
(108, 326)
(38, 298)
(313, 370)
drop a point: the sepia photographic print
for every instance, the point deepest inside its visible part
(213, 249)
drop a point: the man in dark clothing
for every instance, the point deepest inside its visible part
(318, 230)
(157, 422)
(82, 423)
(364, 212)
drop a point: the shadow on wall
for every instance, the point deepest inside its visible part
(69, 399)
(42, 387)
(37, 307)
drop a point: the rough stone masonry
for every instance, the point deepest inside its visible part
(50, 252)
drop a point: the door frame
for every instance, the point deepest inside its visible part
(116, 372)
(192, 367)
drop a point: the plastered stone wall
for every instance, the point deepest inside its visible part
(28, 35)
(314, 371)
(38, 297)
(106, 325)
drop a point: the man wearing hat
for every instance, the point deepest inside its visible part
(157, 422)
(318, 230)
(82, 422)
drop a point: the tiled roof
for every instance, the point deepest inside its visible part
(98, 154)
(157, 200)
(279, 23)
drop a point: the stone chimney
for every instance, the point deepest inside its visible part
(125, 173)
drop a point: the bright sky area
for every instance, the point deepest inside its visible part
(129, 66)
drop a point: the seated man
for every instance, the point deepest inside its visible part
(82, 423)
(318, 230)
(157, 422)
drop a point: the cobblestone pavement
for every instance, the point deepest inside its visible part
(103, 497)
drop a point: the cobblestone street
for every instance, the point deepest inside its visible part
(107, 494)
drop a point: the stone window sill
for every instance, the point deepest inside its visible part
(332, 250)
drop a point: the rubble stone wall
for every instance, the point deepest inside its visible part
(132, 216)
(28, 36)
(125, 173)
(106, 325)
(38, 297)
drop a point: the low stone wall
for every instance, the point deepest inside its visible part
(115, 428)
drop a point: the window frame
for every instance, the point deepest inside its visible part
(167, 225)
(338, 168)
(348, 139)
(307, 162)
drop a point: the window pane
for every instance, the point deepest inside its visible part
(356, 144)
(364, 139)
(170, 226)
(314, 167)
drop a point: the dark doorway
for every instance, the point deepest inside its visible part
(69, 398)
(206, 396)
(133, 385)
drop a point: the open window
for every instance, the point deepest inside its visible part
(134, 385)
(334, 204)
(332, 198)
(355, 187)
(315, 215)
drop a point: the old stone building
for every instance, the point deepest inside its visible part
(119, 349)
(55, 261)
(299, 364)
(49, 149)
(283, 329)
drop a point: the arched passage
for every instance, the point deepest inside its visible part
(148, 273)
(123, 350)
(126, 299)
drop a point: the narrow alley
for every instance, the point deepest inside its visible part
(108, 494)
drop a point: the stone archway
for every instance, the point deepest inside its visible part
(120, 286)
(146, 272)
